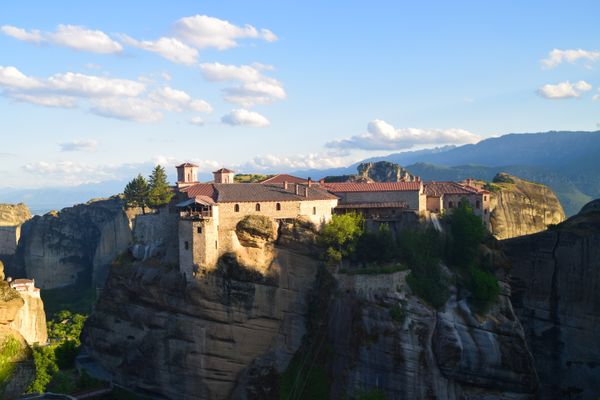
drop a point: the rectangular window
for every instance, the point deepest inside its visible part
(199, 229)
(186, 245)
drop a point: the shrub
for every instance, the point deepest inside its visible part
(372, 394)
(484, 289)
(45, 368)
(398, 312)
(340, 236)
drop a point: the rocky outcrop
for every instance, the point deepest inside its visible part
(75, 245)
(233, 332)
(30, 320)
(12, 216)
(156, 332)
(15, 363)
(383, 171)
(555, 280)
(520, 207)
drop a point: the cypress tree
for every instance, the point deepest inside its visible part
(160, 193)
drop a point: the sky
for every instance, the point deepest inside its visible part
(93, 92)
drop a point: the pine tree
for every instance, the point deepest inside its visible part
(160, 192)
(136, 193)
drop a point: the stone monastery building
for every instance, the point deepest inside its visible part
(210, 212)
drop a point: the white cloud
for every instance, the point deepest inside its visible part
(45, 100)
(79, 145)
(170, 48)
(132, 109)
(32, 36)
(203, 31)
(90, 85)
(171, 99)
(109, 97)
(83, 39)
(272, 163)
(241, 117)
(556, 57)
(198, 121)
(564, 90)
(256, 88)
(13, 78)
(69, 173)
(73, 36)
(381, 135)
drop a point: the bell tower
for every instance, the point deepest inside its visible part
(187, 174)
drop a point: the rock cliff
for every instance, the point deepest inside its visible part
(73, 246)
(237, 331)
(16, 368)
(520, 207)
(163, 335)
(556, 281)
(12, 216)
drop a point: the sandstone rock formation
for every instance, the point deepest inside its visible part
(556, 281)
(14, 351)
(12, 216)
(73, 246)
(181, 339)
(521, 208)
(383, 171)
(232, 332)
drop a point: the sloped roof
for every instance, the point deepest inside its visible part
(223, 171)
(280, 178)
(440, 188)
(187, 164)
(344, 187)
(251, 192)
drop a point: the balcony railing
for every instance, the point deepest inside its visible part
(196, 215)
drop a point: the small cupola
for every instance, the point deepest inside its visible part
(223, 175)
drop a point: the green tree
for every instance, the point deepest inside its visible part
(45, 368)
(160, 192)
(466, 233)
(340, 236)
(136, 193)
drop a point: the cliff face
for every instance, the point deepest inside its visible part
(232, 332)
(73, 246)
(521, 208)
(30, 320)
(181, 339)
(556, 281)
(15, 365)
(383, 171)
(12, 216)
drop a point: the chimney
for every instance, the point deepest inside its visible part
(306, 191)
(285, 185)
(296, 187)
(309, 182)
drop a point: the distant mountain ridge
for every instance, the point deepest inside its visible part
(568, 162)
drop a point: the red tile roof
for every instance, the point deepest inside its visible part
(223, 171)
(187, 164)
(386, 204)
(440, 188)
(280, 178)
(240, 192)
(342, 187)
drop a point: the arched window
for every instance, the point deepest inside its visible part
(450, 204)
(484, 198)
(257, 207)
(236, 208)
(278, 206)
(314, 210)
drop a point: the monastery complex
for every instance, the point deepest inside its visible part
(209, 212)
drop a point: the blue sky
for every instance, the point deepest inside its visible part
(267, 86)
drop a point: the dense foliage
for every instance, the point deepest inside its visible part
(340, 236)
(136, 193)
(153, 193)
(159, 193)
(11, 351)
(53, 362)
(422, 250)
(467, 232)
